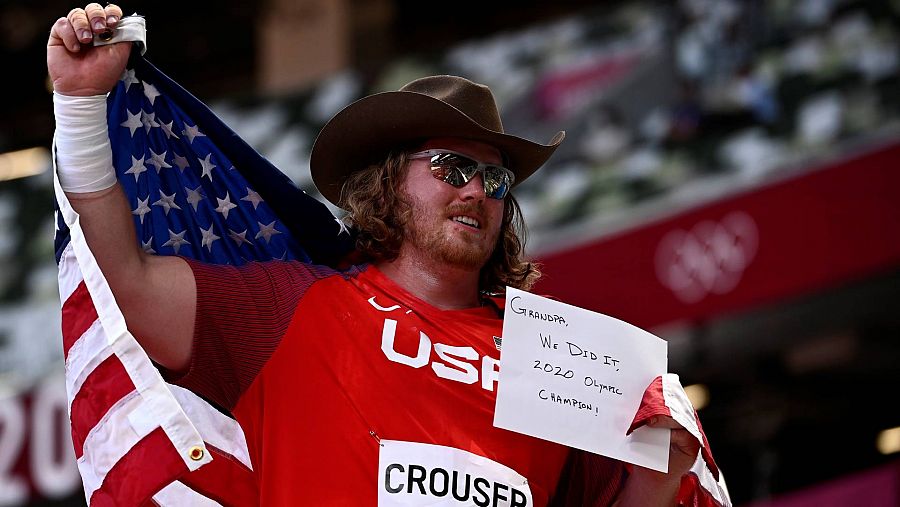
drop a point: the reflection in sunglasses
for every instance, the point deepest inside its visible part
(457, 170)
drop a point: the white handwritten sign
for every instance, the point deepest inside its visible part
(577, 378)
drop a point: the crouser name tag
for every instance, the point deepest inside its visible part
(417, 474)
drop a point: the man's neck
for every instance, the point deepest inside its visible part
(438, 284)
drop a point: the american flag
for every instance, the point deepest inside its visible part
(196, 190)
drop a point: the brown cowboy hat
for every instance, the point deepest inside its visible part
(364, 132)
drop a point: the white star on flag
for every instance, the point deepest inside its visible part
(158, 160)
(208, 237)
(148, 120)
(192, 131)
(252, 197)
(225, 205)
(137, 167)
(167, 128)
(150, 92)
(208, 166)
(181, 162)
(239, 237)
(176, 240)
(194, 196)
(142, 208)
(133, 122)
(167, 202)
(129, 79)
(146, 246)
(267, 231)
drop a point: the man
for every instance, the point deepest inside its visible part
(329, 372)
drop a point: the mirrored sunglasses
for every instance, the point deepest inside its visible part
(458, 169)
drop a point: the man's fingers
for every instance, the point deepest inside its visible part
(685, 442)
(96, 16)
(664, 421)
(79, 21)
(80, 25)
(113, 15)
(63, 34)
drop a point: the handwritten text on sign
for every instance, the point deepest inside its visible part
(577, 377)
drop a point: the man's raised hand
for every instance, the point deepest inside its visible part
(76, 67)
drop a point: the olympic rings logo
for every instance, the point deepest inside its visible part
(708, 259)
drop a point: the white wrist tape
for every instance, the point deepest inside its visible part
(83, 153)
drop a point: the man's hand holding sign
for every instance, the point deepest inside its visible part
(578, 378)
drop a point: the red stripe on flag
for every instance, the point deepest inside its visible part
(706, 452)
(106, 385)
(653, 404)
(78, 314)
(225, 480)
(692, 494)
(149, 466)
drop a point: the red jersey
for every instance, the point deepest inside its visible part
(319, 367)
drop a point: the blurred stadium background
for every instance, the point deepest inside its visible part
(731, 182)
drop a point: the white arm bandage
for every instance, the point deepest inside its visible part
(83, 153)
